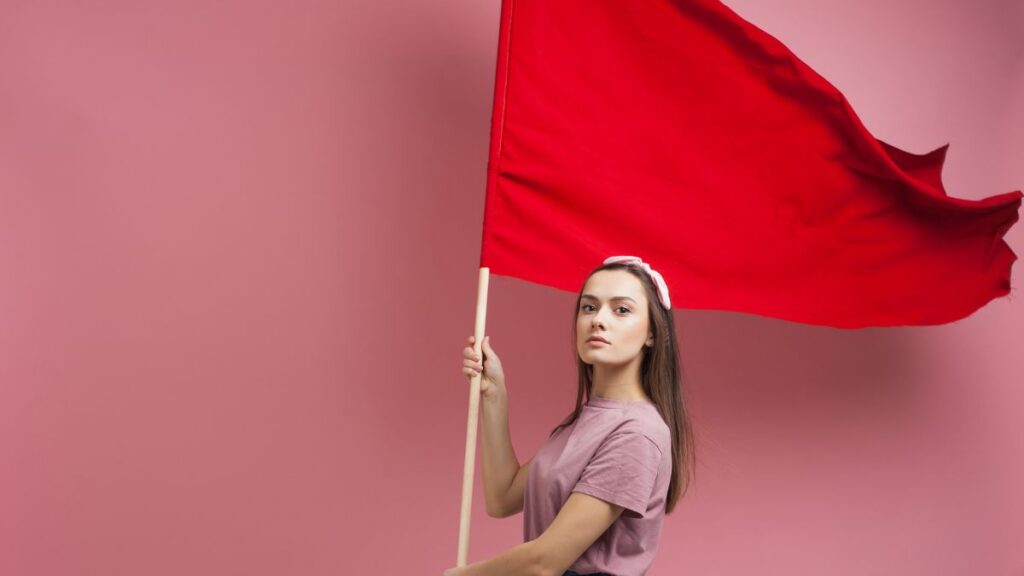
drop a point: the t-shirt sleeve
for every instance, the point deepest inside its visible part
(623, 471)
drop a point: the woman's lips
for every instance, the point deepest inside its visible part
(596, 342)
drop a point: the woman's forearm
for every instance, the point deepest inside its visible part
(520, 560)
(500, 464)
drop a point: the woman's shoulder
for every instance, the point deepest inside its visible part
(649, 423)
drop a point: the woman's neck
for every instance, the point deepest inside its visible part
(618, 383)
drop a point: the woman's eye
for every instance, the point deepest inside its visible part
(586, 308)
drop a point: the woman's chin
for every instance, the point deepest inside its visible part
(593, 359)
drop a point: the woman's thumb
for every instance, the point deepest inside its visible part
(486, 344)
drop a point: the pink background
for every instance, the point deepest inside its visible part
(238, 249)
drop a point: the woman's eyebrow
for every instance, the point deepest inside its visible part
(592, 297)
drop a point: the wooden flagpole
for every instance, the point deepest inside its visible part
(469, 466)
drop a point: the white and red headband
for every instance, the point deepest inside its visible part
(659, 282)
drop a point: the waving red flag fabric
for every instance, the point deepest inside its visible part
(680, 133)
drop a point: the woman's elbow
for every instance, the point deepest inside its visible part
(494, 511)
(538, 564)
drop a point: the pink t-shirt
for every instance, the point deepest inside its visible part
(620, 452)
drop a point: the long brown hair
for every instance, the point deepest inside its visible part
(660, 376)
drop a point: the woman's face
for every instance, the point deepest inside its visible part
(614, 307)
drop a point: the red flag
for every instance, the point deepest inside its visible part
(680, 133)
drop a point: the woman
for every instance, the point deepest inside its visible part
(595, 495)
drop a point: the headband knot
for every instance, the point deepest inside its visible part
(659, 282)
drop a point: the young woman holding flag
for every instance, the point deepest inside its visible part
(595, 495)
